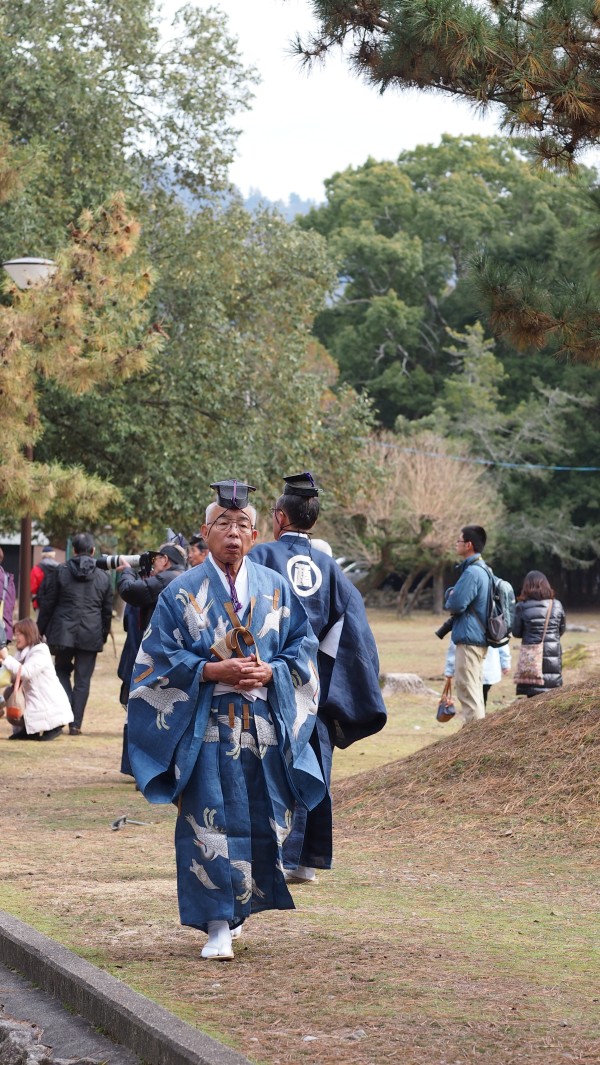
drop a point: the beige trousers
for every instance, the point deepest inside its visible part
(468, 680)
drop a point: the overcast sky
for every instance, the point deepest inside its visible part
(304, 126)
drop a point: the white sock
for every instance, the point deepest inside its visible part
(219, 939)
(301, 874)
(306, 872)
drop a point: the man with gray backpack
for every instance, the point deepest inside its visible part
(481, 608)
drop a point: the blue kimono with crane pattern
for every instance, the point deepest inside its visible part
(235, 766)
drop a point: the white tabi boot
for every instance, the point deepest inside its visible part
(218, 945)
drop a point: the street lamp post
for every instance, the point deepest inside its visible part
(27, 273)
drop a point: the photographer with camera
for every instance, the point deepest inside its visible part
(467, 602)
(143, 591)
(140, 593)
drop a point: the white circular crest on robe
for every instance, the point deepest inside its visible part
(304, 575)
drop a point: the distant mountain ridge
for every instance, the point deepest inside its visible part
(290, 209)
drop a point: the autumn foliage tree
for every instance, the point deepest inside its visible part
(85, 326)
(405, 520)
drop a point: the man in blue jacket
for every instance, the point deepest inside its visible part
(467, 602)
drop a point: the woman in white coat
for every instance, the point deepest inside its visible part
(47, 706)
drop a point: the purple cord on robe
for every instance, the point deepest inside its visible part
(237, 606)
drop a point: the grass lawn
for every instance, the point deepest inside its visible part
(443, 935)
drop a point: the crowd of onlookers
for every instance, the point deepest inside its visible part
(74, 601)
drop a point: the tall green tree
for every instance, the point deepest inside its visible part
(107, 97)
(538, 65)
(403, 325)
(404, 236)
(553, 512)
(241, 384)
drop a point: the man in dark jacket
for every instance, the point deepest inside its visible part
(75, 617)
(141, 595)
(143, 592)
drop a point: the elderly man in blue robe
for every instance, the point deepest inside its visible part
(351, 706)
(223, 703)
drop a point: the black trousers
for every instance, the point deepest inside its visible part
(70, 659)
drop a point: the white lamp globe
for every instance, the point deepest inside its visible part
(29, 273)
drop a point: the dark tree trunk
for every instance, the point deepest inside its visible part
(377, 573)
(403, 594)
(438, 591)
(373, 579)
(413, 598)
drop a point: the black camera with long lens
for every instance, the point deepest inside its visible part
(114, 561)
(444, 628)
(145, 562)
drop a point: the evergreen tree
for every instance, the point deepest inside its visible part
(241, 383)
(537, 63)
(405, 235)
(105, 103)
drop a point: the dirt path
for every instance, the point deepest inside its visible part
(445, 940)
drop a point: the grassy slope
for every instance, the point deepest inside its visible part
(449, 930)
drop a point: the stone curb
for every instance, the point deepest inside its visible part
(145, 1028)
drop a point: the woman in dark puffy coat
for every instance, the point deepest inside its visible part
(530, 617)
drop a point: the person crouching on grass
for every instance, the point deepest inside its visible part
(47, 706)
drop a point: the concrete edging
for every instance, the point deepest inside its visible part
(145, 1028)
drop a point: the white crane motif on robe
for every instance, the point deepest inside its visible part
(212, 729)
(195, 608)
(219, 647)
(162, 698)
(282, 832)
(143, 659)
(203, 877)
(249, 884)
(211, 841)
(265, 734)
(306, 698)
(241, 738)
(273, 619)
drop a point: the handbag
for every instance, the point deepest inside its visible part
(15, 701)
(530, 664)
(446, 709)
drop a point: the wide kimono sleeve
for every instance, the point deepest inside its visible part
(168, 704)
(351, 698)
